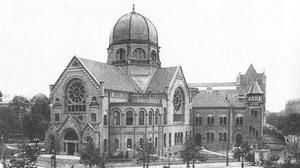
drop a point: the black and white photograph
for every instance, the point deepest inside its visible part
(150, 84)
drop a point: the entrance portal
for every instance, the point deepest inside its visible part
(70, 142)
(71, 148)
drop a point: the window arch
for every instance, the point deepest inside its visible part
(120, 55)
(156, 117)
(116, 117)
(141, 117)
(139, 53)
(210, 119)
(239, 120)
(129, 117)
(150, 117)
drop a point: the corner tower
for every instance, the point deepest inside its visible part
(133, 46)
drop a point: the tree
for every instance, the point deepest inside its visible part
(40, 106)
(20, 105)
(191, 153)
(8, 123)
(28, 127)
(90, 155)
(52, 144)
(146, 153)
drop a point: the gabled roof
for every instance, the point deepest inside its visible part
(255, 89)
(161, 79)
(112, 76)
(205, 99)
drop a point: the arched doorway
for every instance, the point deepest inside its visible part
(70, 142)
(238, 139)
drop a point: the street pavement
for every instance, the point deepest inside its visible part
(206, 165)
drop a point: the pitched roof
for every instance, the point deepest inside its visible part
(217, 98)
(161, 79)
(205, 99)
(255, 89)
(112, 76)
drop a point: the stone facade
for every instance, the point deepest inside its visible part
(238, 114)
(131, 97)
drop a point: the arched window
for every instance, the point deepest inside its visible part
(120, 55)
(220, 136)
(129, 143)
(170, 139)
(153, 56)
(150, 117)
(156, 117)
(181, 137)
(141, 117)
(175, 139)
(210, 120)
(239, 120)
(155, 142)
(139, 54)
(116, 118)
(116, 144)
(129, 117)
(165, 140)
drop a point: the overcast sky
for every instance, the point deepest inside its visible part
(212, 40)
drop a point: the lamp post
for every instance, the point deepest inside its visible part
(53, 159)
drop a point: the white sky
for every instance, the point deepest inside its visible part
(213, 40)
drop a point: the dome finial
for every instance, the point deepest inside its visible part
(133, 7)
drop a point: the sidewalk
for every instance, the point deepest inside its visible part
(203, 165)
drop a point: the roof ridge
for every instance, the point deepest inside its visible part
(149, 81)
(130, 79)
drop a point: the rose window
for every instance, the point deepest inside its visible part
(76, 96)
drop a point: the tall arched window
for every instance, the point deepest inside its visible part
(156, 117)
(153, 56)
(141, 117)
(116, 118)
(116, 144)
(129, 117)
(120, 55)
(175, 139)
(150, 117)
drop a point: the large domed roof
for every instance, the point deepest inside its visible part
(133, 27)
